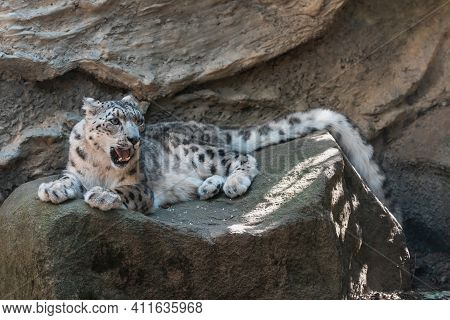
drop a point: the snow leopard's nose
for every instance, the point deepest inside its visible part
(134, 140)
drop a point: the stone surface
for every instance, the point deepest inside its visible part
(149, 46)
(308, 228)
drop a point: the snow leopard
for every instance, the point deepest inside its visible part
(116, 160)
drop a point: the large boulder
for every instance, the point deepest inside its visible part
(307, 228)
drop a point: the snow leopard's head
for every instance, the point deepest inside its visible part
(115, 128)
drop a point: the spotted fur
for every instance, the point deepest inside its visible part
(115, 161)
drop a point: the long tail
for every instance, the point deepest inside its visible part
(295, 125)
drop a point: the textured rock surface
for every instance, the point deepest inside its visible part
(308, 228)
(149, 46)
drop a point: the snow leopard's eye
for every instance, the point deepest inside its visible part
(114, 121)
(140, 121)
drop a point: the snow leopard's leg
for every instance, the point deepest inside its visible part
(134, 197)
(222, 169)
(65, 188)
(203, 150)
(240, 170)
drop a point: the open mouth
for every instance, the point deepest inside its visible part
(121, 156)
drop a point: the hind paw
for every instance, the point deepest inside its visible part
(210, 187)
(236, 185)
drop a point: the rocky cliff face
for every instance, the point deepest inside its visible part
(383, 63)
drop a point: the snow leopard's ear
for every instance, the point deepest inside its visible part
(91, 106)
(141, 106)
(129, 98)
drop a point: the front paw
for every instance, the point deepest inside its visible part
(102, 199)
(55, 192)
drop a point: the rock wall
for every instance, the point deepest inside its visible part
(383, 63)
